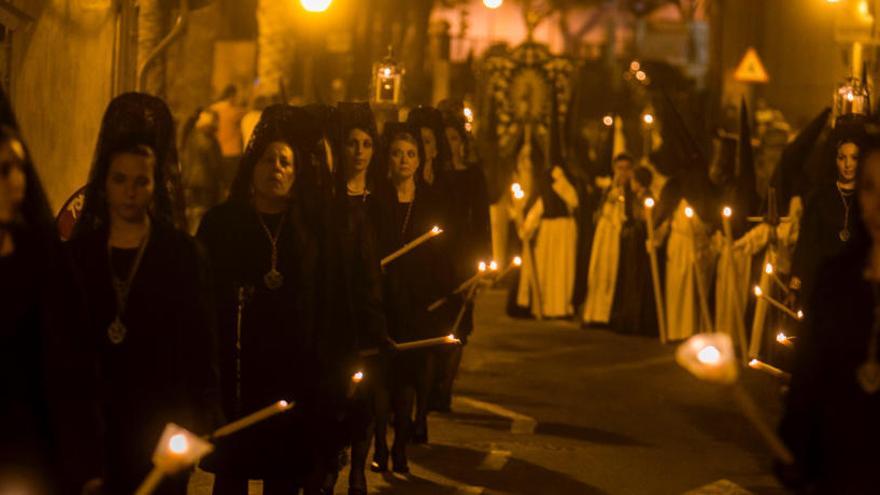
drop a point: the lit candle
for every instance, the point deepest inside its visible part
(655, 270)
(252, 419)
(701, 290)
(726, 213)
(467, 284)
(759, 293)
(419, 344)
(356, 379)
(772, 370)
(784, 340)
(434, 232)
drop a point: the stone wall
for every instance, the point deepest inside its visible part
(61, 83)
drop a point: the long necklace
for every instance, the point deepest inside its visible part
(406, 218)
(273, 278)
(844, 197)
(868, 374)
(117, 330)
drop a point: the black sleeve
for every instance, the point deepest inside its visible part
(198, 325)
(800, 424)
(367, 296)
(71, 364)
(808, 239)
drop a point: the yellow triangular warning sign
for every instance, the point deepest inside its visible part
(750, 68)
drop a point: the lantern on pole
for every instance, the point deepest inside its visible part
(851, 98)
(387, 80)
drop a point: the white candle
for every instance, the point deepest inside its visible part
(434, 232)
(252, 419)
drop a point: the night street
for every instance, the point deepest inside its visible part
(548, 408)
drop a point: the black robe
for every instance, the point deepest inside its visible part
(830, 424)
(48, 372)
(280, 353)
(165, 369)
(421, 276)
(634, 310)
(467, 236)
(819, 238)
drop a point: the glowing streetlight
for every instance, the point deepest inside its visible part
(315, 5)
(493, 4)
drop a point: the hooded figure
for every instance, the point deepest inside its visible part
(272, 281)
(148, 298)
(49, 441)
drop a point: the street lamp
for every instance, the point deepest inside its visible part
(315, 5)
(387, 80)
(492, 4)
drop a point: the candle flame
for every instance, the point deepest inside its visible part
(493, 266)
(758, 291)
(178, 444)
(517, 261)
(709, 355)
(781, 338)
(283, 404)
(689, 212)
(635, 65)
(754, 363)
(727, 212)
(436, 230)
(519, 194)
(800, 314)
(649, 202)
(451, 337)
(357, 377)
(387, 71)
(641, 76)
(515, 187)
(648, 118)
(768, 269)
(608, 120)
(482, 266)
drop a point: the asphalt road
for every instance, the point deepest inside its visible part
(549, 408)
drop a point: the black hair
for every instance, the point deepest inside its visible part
(132, 122)
(278, 123)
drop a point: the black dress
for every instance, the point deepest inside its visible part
(48, 376)
(279, 350)
(831, 425)
(634, 310)
(164, 371)
(468, 235)
(819, 238)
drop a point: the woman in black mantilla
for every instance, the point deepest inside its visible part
(468, 241)
(831, 414)
(264, 247)
(438, 155)
(49, 440)
(633, 310)
(413, 282)
(829, 217)
(147, 296)
(362, 243)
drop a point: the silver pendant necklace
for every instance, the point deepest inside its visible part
(844, 233)
(273, 278)
(117, 331)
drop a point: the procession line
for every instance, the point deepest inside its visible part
(520, 423)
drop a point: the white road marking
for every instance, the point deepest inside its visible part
(520, 423)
